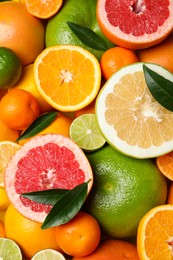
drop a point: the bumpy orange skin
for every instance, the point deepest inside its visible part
(20, 31)
(7, 133)
(18, 109)
(80, 236)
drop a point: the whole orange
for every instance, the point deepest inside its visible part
(161, 53)
(28, 234)
(20, 31)
(114, 59)
(7, 133)
(170, 194)
(2, 229)
(18, 109)
(80, 236)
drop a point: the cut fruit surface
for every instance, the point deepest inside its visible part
(130, 119)
(135, 24)
(68, 77)
(155, 234)
(45, 162)
(9, 250)
(48, 254)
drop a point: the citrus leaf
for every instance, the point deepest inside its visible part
(160, 88)
(88, 37)
(66, 207)
(45, 196)
(38, 125)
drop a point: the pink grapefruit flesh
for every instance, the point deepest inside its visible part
(135, 24)
(45, 162)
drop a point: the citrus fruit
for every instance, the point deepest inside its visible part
(90, 109)
(9, 249)
(7, 133)
(27, 83)
(48, 254)
(80, 236)
(19, 109)
(2, 229)
(2, 215)
(7, 149)
(4, 201)
(135, 24)
(10, 69)
(114, 59)
(28, 234)
(155, 231)
(43, 9)
(170, 194)
(59, 80)
(16, 23)
(165, 165)
(84, 14)
(84, 131)
(112, 249)
(130, 119)
(56, 162)
(160, 54)
(124, 189)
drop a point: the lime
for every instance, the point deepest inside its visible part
(124, 189)
(129, 117)
(10, 68)
(9, 250)
(84, 131)
(48, 254)
(83, 13)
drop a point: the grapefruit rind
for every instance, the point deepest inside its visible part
(38, 141)
(108, 131)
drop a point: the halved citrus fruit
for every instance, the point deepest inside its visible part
(130, 119)
(135, 24)
(43, 9)
(155, 234)
(68, 77)
(9, 249)
(45, 162)
(48, 254)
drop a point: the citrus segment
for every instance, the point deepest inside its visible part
(67, 76)
(47, 161)
(43, 9)
(130, 118)
(135, 24)
(9, 249)
(155, 234)
(48, 254)
(7, 149)
(84, 131)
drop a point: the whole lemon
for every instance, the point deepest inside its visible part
(124, 190)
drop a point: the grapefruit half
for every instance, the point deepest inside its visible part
(135, 24)
(45, 162)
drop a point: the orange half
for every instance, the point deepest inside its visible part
(68, 77)
(155, 234)
(43, 8)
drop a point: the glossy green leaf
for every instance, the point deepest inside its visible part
(38, 125)
(45, 196)
(160, 88)
(66, 207)
(88, 37)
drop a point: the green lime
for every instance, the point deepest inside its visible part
(10, 68)
(9, 250)
(124, 189)
(83, 13)
(48, 254)
(84, 131)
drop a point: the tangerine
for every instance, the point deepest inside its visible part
(8, 133)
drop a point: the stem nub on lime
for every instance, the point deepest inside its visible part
(10, 68)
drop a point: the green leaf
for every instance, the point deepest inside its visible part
(45, 196)
(38, 125)
(160, 87)
(66, 207)
(88, 37)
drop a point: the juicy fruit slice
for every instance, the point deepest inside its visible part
(130, 119)
(45, 162)
(43, 9)
(7, 149)
(48, 254)
(9, 250)
(155, 234)
(59, 80)
(84, 131)
(135, 24)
